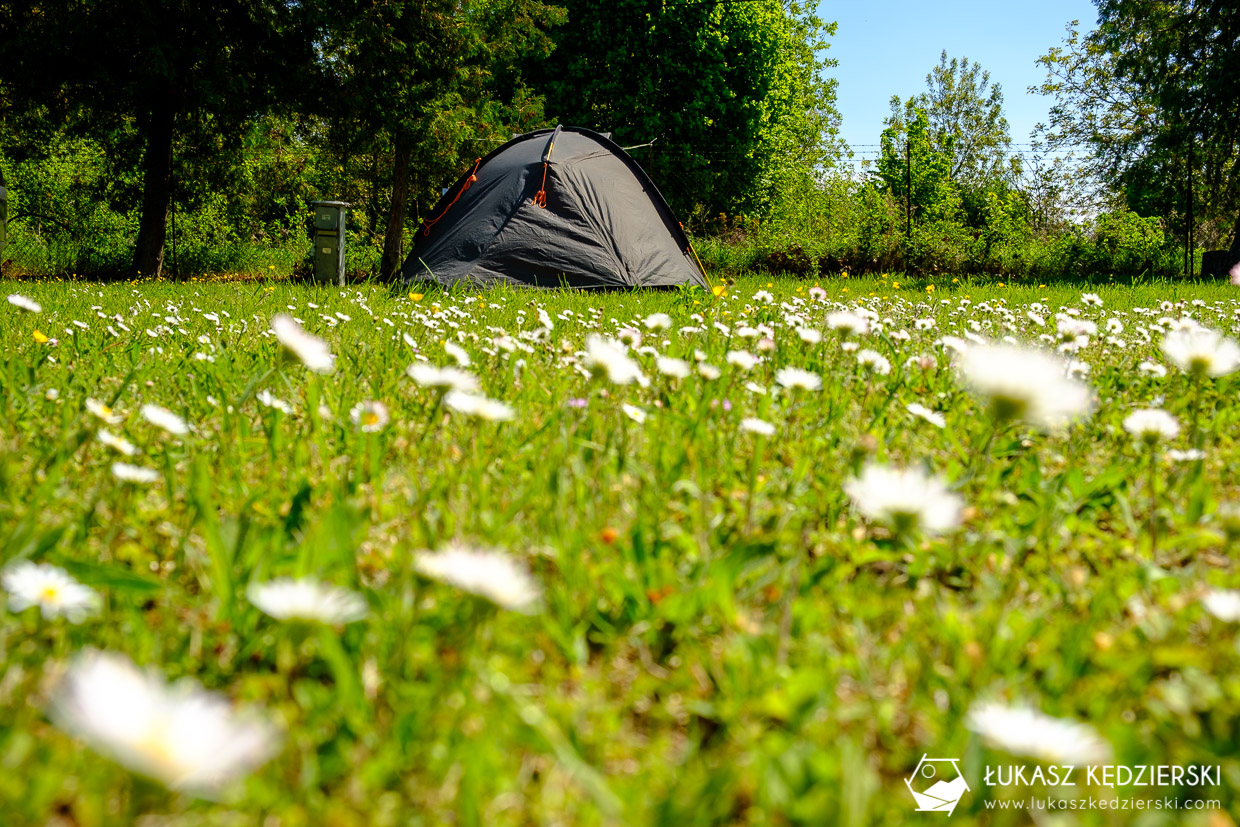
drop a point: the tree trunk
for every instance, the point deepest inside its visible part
(148, 258)
(389, 268)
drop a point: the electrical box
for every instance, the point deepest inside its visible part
(329, 241)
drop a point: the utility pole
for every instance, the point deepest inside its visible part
(1189, 257)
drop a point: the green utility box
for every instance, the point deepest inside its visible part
(329, 241)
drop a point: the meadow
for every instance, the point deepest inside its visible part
(373, 557)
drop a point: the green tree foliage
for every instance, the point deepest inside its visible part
(1154, 92)
(147, 82)
(431, 83)
(730, 94)
(916, 165)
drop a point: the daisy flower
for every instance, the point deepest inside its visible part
(307, 600)
(429, 376)
(22, 303)
(1223, 604)
(125, 472)
(369, 416)
(634, 413)
(933, 417)
(658, 321)
(478, 405)
(798, 378)
(742, 359)
(487, 573)
(164, 419)
(181, 735)
(874, 360)
(905, 500)
(1200, 351)
(308, 349)
(269, 400)
(1025, 384)
(1026, 732)
(101, 411)
(51, 589)
(1149, 425)
(848, 323)
(609, 358)
(753, 425)
(118, 443)
(672, 367)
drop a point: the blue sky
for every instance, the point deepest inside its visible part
(887, 48)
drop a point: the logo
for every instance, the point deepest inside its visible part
(937, 784)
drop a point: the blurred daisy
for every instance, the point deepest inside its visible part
(458, 353)
(742, 359)
(101, 411)
(933, 417)
(269, 400)
(307, 600)
(634, 413)
(165, 419)
(658, 321)
(487, 573)
(22, 303)
(848, 323)
(1149, 425)
(809, 335)
(478, 405)
(308, 349)
(1200, 351)
(874, 361)
(118, 443)
(1223, 604)
(709, 372)
(429, 376)
(672, 367)
(1025, 384)
(188, 739)
(1091, 300)
(798, 378)
(51, 589)
(609, 358)
(904, 500)
(1190, 455)
(369, 416)
(1026, 732)
(125, 472)
(752, 425)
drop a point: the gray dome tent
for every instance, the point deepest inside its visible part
(554, 208)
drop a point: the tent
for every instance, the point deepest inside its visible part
(554, 208)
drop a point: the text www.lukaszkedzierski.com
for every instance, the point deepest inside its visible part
(1103, 804)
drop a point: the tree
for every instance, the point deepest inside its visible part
(430, 83)
(730, 94)
(916, 166)
(1154, 93)
(964, 113)
(134, 76)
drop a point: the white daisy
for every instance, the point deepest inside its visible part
(1223, 604)
(933, 417)
(101, 411)
(119, 443)
(458, 353)
(658, 321)
(905, 500)
(1025, 384)
(874, 360)
(22, 303)
(848, 322)
(753, 425)
(429, 376)
(672, 367)
(1201, 351)
(1026, 732)
(269, 400)
(307, 600)
(742, 359)
(51, 589)
(1149, 425)
(180, 735)
(163, 418)
(489, 573)
(609, 358)
(369, 416)
(798, 378)
(634, 413)
(125, 472)
(308, 349)
(478, 405)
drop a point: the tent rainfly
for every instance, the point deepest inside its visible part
(554, 208)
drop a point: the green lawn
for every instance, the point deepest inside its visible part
(722, 637)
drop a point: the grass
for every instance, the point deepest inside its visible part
(722, 639)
